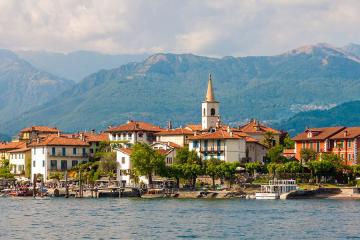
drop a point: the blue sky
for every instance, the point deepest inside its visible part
(213, 28)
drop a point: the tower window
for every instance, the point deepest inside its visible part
(212, 111)
(204, 112)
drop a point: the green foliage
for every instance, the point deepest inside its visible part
(293, 167)
(5, 170)
(307, 155)
(212, 168)
(251, 167)
(288, 142)
(268, 139)
(274, 155)
(147, 161)
(107, 163)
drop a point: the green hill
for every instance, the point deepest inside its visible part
(346, 114)
(172, 86)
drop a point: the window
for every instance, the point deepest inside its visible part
(34, 151)
(123, 160)
(349, 157)
(53, 164)
(74, 151)
(212, 112)
(205, 143)
(195, 144)
(74, 163)
(311, 145)
(91, 150)
(349, 143)
(342, 156)
(303, 145)
(318, 146)
(63, 164)
(204, 112)
(83, 152)
(34, 164)
(63, 151)
(53, 151)
(43, 163)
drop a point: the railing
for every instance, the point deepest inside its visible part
(212, 149)
(59, 154)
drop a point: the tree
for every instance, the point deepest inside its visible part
(268, 140)
(293, 167)
(147, 161)
(175, 171)
(307, 155)
(252, 167)
(322, 168)
(4, 170)
(228, 171)
(288, 142)
(212, 168)
(182, 155)
(108, 164)
(274, 155)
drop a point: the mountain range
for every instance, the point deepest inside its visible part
(346, 114)
(24, 86)
(77, 65)
(172, 86)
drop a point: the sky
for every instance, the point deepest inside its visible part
(210, 28)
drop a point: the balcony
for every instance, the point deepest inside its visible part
(59, 154)
(212, 149)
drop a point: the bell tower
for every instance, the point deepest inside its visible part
(209, 108)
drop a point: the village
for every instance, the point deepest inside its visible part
(141, 159)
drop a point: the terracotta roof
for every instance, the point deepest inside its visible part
(319, 133)
(12, 145)
(176, 131)
(219, 134)
(54, 140)
(171, 144)
(127, 151)
(40, 129)
(256, 127)
(250, 139)
(20, 150)
(163, 151)
(194, 127)
(347, 133)
(135, 126)
(94, 137)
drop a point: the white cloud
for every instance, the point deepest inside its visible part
(217, 28)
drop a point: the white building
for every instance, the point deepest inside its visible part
(222, 142)
(133, 132)
(57, 154)
(178, 136)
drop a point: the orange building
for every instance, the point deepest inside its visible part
(318, 139)
(347, 144)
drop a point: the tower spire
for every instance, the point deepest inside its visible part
(210, 92)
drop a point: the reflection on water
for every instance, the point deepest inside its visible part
(170, 218)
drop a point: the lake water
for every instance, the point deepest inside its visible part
(169, 218)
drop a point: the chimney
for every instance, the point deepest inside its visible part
(93, 131)
(170, 125)
(228, 129)
(82, 137)
(58, 133)
(38, 140)
(345, 133)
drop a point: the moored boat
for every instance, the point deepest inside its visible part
(154, 193)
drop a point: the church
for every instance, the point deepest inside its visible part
(223, 142)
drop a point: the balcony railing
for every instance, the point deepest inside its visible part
(59, 154)
(212, 149)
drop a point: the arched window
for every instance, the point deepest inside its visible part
(204, 112)
(212, 112)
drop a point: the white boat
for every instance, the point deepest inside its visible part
(275, 188)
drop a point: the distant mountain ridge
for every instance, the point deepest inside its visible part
(23, 86)
(79, 64)
(346, 114)
(171, 87)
